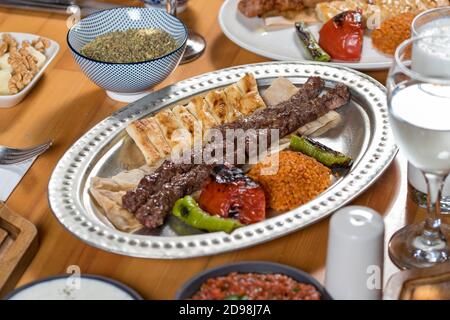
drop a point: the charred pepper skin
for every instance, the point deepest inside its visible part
(187, 210)
(310, 43)
(323, 154)
(342, 36)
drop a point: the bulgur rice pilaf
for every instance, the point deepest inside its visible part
(393, 32)
(298, 180)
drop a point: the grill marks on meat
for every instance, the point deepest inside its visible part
(289, 116)
(257, 8)
(262, 118)
(297, 116)
(153, 212)
(156, 193)
(151, 183)
(266, 118)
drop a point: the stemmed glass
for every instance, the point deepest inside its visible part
(429, 22)
(419, 107)
(195, 44)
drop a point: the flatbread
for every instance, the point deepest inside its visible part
(138, 132)
(199, 109)
(247, 84)
(218, 107)
(190, 122)
(243, 96)
(278, 91)
(321, 125)
(108, 193)
(173, 130)
(156, 136)
(233, 96)
(251, 102)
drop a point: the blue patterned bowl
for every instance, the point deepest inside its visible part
(127, 77)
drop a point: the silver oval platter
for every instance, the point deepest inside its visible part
(105, 150)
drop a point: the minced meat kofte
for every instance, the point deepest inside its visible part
(255, 286)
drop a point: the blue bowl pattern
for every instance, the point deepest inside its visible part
(127, 77)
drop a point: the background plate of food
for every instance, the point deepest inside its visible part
(120, 188)
(359, 34)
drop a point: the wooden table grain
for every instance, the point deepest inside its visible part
(65, 104)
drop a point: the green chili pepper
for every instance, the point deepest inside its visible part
(310, 43)
(235, 297)
(321, 153)
(190, 213)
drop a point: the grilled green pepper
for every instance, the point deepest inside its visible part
(310, 43)
(236, 297)
(321, 153)
(190, 213)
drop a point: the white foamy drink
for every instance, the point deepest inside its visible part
(420, 120)
(431, 56)
(431, 63)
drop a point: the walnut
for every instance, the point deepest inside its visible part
(23, 63)
(15, 84)
(24, 67)
(19, 81)
(40, 44)
(3, 48)
(11, 44)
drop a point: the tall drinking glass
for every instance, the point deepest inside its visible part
(430, 22)
(419, 109)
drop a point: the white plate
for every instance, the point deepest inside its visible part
(11, 100)
(249, 33)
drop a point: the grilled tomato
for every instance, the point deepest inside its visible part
(231, 194)
(342, 36)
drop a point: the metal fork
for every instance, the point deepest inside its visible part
(12, 156)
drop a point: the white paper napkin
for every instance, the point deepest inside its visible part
(10, 176)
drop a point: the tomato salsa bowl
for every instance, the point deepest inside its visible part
(263, 280)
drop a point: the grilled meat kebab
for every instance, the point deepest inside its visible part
(156, 193)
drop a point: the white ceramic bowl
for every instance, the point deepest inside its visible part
(74, 287)
(7, 101)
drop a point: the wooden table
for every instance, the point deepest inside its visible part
(65, 104)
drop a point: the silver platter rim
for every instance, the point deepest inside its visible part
(65, 181)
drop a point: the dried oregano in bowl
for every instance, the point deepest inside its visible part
(128, 46)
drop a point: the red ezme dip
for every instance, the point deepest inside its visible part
(254, 286)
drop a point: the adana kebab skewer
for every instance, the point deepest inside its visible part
(287, 117)
(153, 182)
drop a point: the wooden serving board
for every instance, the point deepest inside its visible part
(18, 245)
